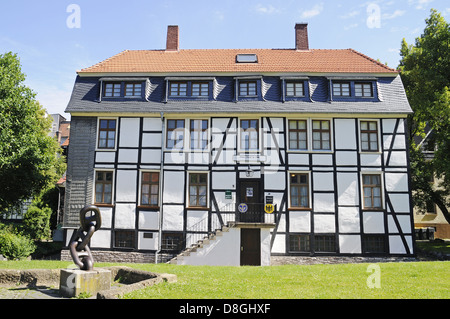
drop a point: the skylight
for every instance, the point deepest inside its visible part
(246, 58)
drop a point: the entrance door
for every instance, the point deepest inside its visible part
(250, 194)
(250, 247)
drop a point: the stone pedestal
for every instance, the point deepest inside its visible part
(72, 282)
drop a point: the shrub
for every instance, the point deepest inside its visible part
(37, 222)
(15, 246)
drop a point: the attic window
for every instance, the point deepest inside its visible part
(246, 58)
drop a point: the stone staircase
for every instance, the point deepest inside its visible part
(206, 243)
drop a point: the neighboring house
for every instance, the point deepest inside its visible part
(173, 144)
(430, 224)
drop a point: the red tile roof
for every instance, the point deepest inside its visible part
(224, 60)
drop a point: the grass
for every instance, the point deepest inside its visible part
(415, 280)
(436, 246)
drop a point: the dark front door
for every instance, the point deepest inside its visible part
(250, 247)
(250, 194)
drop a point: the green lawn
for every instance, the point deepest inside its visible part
(398, 280)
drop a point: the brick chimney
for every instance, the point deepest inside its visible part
(172, 43)
(301, 36)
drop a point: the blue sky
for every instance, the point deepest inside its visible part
(51, 48)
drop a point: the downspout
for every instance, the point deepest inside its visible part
(161, 185)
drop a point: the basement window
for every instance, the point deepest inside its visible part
(246, 58)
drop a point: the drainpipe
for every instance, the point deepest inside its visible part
(161, 184)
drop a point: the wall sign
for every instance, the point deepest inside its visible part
(269, 208)
(249, 192)
(228, 194)
(242, 208)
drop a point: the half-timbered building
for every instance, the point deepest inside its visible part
(236, 156)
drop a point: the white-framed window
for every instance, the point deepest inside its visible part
(310, 134)
(106, 134)
(321, 135)
(149, 195)
(369, 134)
(372, 191)
(249, 135)
(175, 134)
(198, 130)
(104, 186)
(298, 134)
(198, 189)
(299, 190)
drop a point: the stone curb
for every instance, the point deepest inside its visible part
(130, 279)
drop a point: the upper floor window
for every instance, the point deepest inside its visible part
(341, 89)
(249, 135)
(295, 89)
(299, 190)
(112, 89)
(369, 136)
(150, 189)
(178, 89)
(200, 89)
(133, 89)
(198, 186)
(371, 191)
(107, 134)
(321, 135)
(247, 88)
(199, 134)
(103, 187)
(175, 134)
(298, 135)
(363, 90)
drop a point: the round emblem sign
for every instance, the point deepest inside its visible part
(242, 208)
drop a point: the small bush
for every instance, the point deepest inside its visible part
(37, 222)
(15, 246)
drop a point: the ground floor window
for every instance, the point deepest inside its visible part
(124, 239)
(325, 243)
(172, 241)
(374, 244)
(299, 243)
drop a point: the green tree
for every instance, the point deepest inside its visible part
(425, 71)
(30, 160)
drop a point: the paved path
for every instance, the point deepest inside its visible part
(29, 293)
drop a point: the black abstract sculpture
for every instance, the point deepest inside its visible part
(79, 249)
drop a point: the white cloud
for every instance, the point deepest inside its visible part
(351, 14)
(395, 14)
(419, 4)
(269, 9)
(316, 10)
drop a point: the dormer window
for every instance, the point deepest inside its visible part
(178, 89)
(133, 89)
(112, 89)
(295, 89)
(341, 89)
(189, 88)
(200, 89)
(247, 88)
(363, 89)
